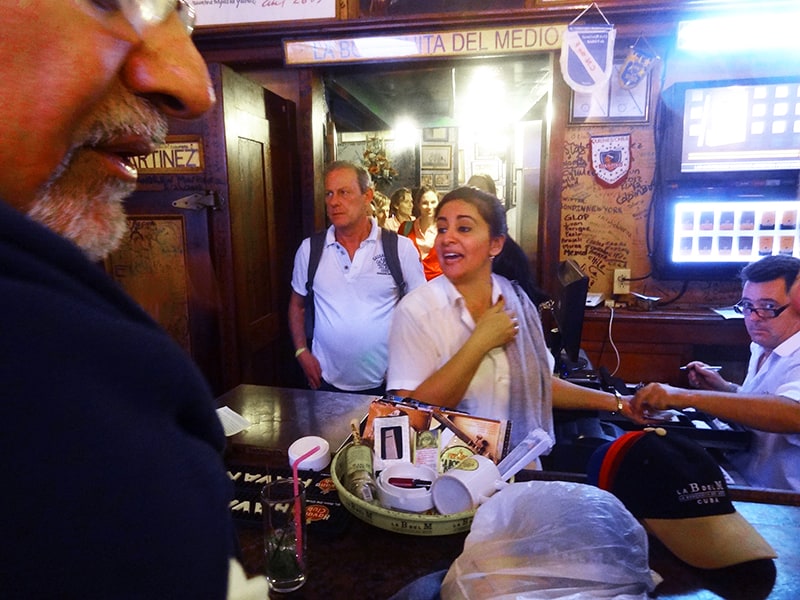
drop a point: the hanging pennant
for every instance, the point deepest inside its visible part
(611, 158)
(638, 63)
(587, 54)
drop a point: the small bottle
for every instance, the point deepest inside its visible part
(359, 479)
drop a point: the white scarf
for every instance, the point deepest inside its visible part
(530, 393)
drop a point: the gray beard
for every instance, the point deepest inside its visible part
(81, 202)
(84, 206)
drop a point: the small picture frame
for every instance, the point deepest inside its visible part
(484, 151)
(392, 439)
(612, 103)
(489, 167)
(442, 181)
(437, 157)
(347, 137)
(435, 134)
(426, 179)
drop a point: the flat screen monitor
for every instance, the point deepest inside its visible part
(569, 304)
(748, 128)
(726, 186)
(710, 234)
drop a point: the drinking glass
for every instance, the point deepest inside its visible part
(284, 507)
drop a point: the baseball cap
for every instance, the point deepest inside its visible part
(677, 489)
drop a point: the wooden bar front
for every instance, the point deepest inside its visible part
(653, 345)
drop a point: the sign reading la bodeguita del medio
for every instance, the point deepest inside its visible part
(482, 42)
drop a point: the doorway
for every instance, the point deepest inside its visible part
(438, 123)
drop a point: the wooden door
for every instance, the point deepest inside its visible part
(253, 259)
(165, 264)
(216, 276)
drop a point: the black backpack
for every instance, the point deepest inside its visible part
(389, 239)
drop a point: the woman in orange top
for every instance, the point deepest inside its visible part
(422, 231)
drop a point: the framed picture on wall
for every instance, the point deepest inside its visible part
(435, 134)
(437, 157)
(612, 103)
(442, 181)
(347, 137)
(426, 179)
(485, 151)
(489, 167)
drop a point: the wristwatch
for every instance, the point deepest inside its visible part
(620, 403)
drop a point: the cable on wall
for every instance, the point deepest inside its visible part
(611, 341)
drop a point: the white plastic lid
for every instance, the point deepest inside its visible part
(317, 461)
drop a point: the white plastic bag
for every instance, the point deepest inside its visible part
(551, 539)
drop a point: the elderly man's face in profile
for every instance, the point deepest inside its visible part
(82, 93)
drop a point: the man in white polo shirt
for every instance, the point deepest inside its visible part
(353, 289)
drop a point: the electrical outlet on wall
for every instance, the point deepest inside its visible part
(622, 284)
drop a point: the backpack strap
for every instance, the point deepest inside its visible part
(317, 244)
(389, 239)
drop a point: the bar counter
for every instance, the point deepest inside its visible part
(367, 562)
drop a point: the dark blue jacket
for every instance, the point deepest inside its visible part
(113, 484)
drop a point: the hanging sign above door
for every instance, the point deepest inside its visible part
(475, 42)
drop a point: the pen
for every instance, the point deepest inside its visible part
(707, 367)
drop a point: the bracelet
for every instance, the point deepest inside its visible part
(620, 403)
(299, 351)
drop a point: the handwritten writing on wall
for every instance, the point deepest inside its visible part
(151, 265)
(605, 228)
(226, 12)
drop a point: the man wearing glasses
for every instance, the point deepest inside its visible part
(768, 402)
(113, 481)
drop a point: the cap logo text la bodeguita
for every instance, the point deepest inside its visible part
(712, 493)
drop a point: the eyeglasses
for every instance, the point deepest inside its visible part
(147, 13)
(747, 309)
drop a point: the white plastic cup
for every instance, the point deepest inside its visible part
(466, 486)
(318, 461)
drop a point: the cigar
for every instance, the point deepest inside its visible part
(408, 482)
(480, 446)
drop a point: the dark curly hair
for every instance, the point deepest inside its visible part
(779, 266)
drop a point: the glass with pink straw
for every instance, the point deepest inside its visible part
(284, 506)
